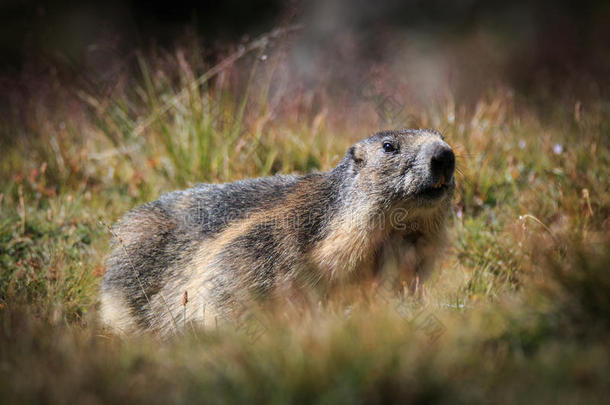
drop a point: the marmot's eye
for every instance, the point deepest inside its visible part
(388, 147)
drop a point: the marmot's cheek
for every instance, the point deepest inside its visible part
(411, 180)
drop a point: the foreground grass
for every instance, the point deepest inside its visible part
(518, 310)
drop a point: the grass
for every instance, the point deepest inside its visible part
(516, 311)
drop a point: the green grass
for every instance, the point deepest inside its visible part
(517, 310)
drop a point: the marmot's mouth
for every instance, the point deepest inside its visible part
(433, 193)
(436, 190)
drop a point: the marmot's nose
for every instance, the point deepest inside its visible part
(442, 163)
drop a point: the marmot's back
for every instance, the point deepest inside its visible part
(207, 209)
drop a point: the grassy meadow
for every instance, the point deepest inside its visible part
(518, 310)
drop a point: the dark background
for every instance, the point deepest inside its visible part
(562, 39)
(32, 30)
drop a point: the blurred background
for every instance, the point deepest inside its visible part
(531, 45)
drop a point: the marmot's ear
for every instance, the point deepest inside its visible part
(357, 155)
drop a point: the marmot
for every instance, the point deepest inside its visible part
(386, 201)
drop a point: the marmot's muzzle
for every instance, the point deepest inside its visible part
(442, 164)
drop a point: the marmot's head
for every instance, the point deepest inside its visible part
(405, 166)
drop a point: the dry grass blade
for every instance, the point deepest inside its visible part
(259, 43)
